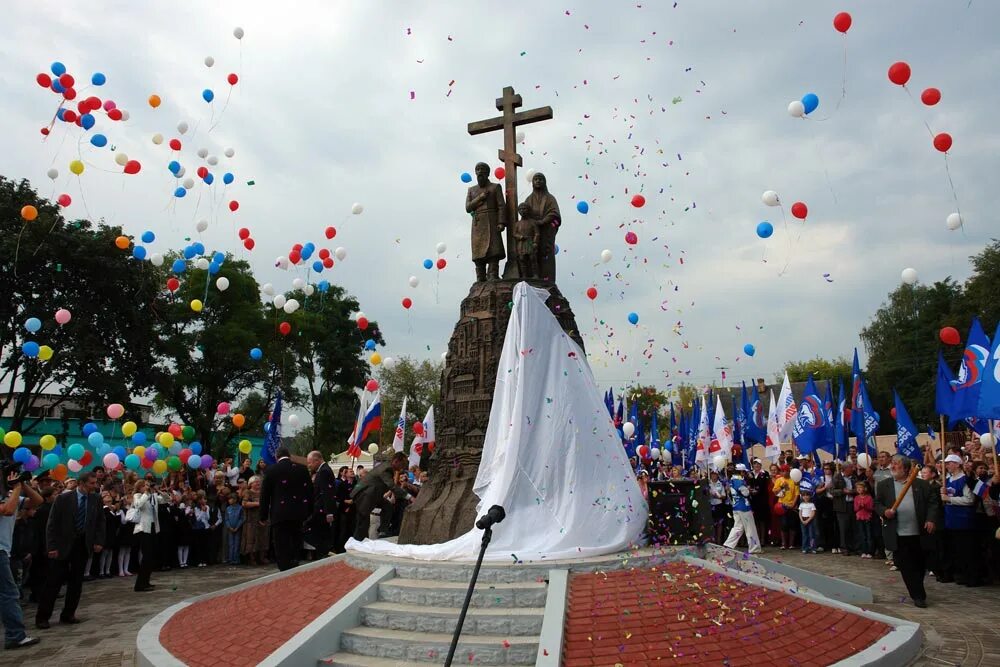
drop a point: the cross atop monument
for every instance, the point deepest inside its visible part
(511, 160)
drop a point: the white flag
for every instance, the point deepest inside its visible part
(723, 430)
(397, 438)
(772, 450)
(704, 437)
(416, 447)
(429, 428)
(788, 412)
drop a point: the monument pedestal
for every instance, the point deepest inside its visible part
(446, 504)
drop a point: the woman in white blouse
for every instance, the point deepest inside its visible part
(147, 524)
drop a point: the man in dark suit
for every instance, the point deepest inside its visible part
(286, 499)
(346, 514)
(74, 531)
(371, 490)
(907, 530)
(321, 525)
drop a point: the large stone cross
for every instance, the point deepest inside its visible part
(508, 154)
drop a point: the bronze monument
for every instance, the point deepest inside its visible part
(489, 217)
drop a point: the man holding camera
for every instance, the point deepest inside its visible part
(15, 485)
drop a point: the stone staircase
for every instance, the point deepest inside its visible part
(414, 617)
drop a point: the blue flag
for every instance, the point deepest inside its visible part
(970, 373)
(609, 401)
(840, 425)
(756, 428)
(739, 433)
(711, 411)
(675, 446)
(691, 451)
(944, 390)
(906, 432)
(808, 429)
(654, 432)
(673, 422)
(989, 392)
(619, 420)
(272, 439)
(829, 442)
(630, 443)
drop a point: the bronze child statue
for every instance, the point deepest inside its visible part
(526, 237)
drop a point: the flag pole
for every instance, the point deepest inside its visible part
(942, 448)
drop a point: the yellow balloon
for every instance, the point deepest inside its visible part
(76, 167)
(139, 451)
(160, 466)
(196, 305)
(245, 446)
(12, 439)
(47, 441)
(166, 439)
(375, 359)
(45, 352)
(129, 429)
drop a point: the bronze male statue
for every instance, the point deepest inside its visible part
(544, 210)
(489, 217)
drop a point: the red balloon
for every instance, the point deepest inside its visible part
(176, 431)
(330, 232)
(183, 456)
(132, 167)
(93, 103)
(70, 116)
(232, 79)
(64, 200)
(950, 336)
(233, 205)
(66, 80)
(800, 210)
(202, 171)
(294, 257)
(892, 412)
(930, 96)
(407, 302)
(175, 144)
(79, 122)
(631, 238)
(86, 459)
(244, 233)
(324, 253)
(642, 451)
(372, 385)
(441, 263)
(499, 172)
(173, 284)
(899, 73)
(44, 80)
(418, 428)
(249, 244)
(638, 201)
(297, 247)
(285, 328)
(362, 323)
(115, 114)
(591, 293)
(942, 142)
(45, 131)
(82, 107)
(430, 447)
(69, 94)
(842, 22)
(146, 463)
(328, 262)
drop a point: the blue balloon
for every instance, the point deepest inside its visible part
(466, 177)
(98, 79)
(370, 344)
(267, 427)
(256, 354)
(119, 451)
(190, 252)
(103, 449)
(323, 285)
(209, 179)
(218, 258)
(306, 252)
(178, 266)
(174, 167)
(214, 268)
(60, 112)
(99, 140)
(318, 266)
(810, 101)
(50, 460)
(32, 324)
(30, 349)
(765, 229)
(228, 178)
(89, 427)
(194, 462)
(138, 438)
(21, 454)
(633, 318)
(148, 237)
(94, 439)
(207, 95)
(557, 249)
(180, 192)
(75, 451)
(58, 87)
(58, 68)
(195, 447)
(428, 264)
(749, 350)
(87, 121)
(582, 207)
(139, 252)
(199, 247)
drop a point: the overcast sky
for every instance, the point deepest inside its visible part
(343, 102)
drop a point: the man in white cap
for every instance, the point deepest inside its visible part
(742, 515)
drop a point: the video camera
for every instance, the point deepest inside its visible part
(8, 467)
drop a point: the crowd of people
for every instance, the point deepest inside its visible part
(945, 527)
(57, 535)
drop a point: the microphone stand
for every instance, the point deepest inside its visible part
(487, 536)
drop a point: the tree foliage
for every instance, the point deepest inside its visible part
(821, 369)
(418, 381)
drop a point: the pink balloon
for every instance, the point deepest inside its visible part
(63, 316)
(223, 408)
(74, 466)
(109, 105)
(111, 461)
(115, 410)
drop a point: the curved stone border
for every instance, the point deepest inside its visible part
(550, 641)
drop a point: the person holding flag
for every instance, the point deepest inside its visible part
(743, 520)
(959, 525)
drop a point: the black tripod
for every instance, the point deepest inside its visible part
(485, 523)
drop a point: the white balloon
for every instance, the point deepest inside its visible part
(212, 160)
(291, 306)
(121, 159)
(357, 316)
(954, 221)
(441, 248)
(238, 32)
(909, 276)
(340, 253)
(309, 289)
(209, 61)
(222, 283)
(188, 183)
(529, 174)
(606, 256)
(74, 466)
(373, 449)
(267, 288)
(864, 461)
(279, 301)
(180, 172)
(156, 259)
(201, 263)
(628, 428)
(52, 173)
(125, 115)
(281, 263)
(718, 461)
(298, 283)
(293, 420)
(796, 109)
(229, 152)
(182, 127)
(414, 281)
(157, 138)
(202, 225)
(203, 153)
(389, 362)
(519, 136)
(654, 453)
(987, 440)
(795, 474)
(666, 456)
(770, 198)
(357, 208)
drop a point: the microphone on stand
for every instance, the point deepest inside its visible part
(493, 516)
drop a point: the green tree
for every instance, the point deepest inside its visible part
(104, 354)
(821, 369)
(417, 381)
(981, 291)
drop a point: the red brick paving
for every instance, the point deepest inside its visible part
(687, 615)
(244, 627)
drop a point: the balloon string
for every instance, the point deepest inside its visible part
(17, 248)
(223, 112)
(953, 192)
(919, 109)
(788, 236)
(843, 78)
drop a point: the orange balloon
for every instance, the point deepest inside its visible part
(239, 420)
(59, 472)
(122, 242)
(29, 212)
(154, 101)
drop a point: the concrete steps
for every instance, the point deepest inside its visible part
(457, 572)
(452, 593)
(432, 647)
(503, 621)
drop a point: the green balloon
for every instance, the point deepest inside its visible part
(173, 463)
(188, 432)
